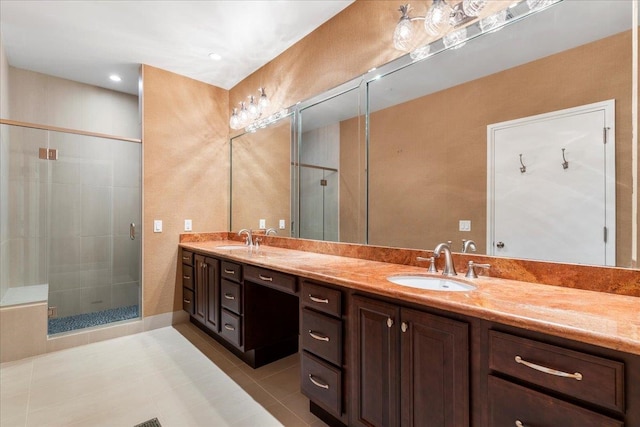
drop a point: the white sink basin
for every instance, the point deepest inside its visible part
(431, 283)
(232, 247)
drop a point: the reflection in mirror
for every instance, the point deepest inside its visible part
(428, 124)
(332, 173)
(261, 178)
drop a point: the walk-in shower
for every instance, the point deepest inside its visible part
(70, 215)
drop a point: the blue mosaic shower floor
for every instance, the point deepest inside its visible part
(81, 321)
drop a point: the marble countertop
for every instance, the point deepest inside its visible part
(598, 318)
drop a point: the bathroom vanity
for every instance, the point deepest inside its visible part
(378, 354)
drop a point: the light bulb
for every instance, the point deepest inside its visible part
(263, 102)
(437, 19)
(494, 22)
(403, 34)
(234, 121)
(473, 7)
(420, 53)
(455, 39)
(253, 109)
(244, 114)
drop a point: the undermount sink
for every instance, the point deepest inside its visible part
(431, 283)
(232, 247)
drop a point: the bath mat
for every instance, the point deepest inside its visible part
(151, 423)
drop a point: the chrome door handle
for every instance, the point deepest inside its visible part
(265, 278)
(132, 231)
(229, 271)
(318, 337)
(319, 300)
(318, 383)
(577, 376)
(229, 327)
(229, 296)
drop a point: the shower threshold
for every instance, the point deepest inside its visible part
(59, 325)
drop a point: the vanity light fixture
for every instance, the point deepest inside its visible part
(266, 121)
(249, 112)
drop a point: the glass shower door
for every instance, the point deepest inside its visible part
(94, 244)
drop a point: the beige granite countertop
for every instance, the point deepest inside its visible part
(598, 318)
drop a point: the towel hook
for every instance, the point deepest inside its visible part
(565, 164)
(523, 169)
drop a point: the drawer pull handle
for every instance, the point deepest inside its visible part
(318, 337)
(576, 376)
(229, 327)
(519, 423)
(187, 301)
(318, 383)
(186, 277)
(320, 300)
(229, 271)
(186, 258)
(265, 278)
(229, 296)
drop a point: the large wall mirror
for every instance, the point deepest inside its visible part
(261, 178)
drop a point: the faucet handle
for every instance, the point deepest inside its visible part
(432, 265)
(471, 271)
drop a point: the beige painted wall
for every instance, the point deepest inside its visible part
(186, 174)
(4, 82)
(441, 140)
(4, 173)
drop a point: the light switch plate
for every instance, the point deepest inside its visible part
(157, 226)
(188, 225)
(263, 224)
(281, 224)
(464, 225)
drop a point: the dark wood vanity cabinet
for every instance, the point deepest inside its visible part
(188, 301)
(207, 291)
(322, 358)
(410, 368)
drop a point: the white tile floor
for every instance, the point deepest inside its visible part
(175, 374)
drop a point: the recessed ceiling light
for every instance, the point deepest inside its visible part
(115, 78)
(215, 56)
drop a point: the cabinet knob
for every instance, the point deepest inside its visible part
(404, 326)
(389, 322)
(519, 423)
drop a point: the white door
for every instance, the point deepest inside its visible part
(537, 208)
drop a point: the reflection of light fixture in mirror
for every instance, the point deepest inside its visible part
(266, 121)
(421, 52)
(437, 18)
(403, 33)
(249, 112)
(473, 7)
(455, 39)
(494, 22)
(539, 4)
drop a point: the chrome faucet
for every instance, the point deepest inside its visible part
(270, 231)
(468, 245)
(449, 268)
(249, 239)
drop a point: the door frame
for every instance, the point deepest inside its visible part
(608, 107)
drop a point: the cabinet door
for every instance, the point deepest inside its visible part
(434, 370)
(200, 306)
(212, 318)
(375, 363)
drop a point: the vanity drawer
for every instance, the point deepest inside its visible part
(231, 296)
(273, 279)
(322, 336)
(321, 298)
(187, 300)
(556, 368)
(187, 276)
(231, 327)
(187, 257)
(231, 271)
(321, 382)
(510, 403)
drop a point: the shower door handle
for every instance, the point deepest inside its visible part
(132, 231)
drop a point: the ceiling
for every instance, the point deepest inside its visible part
(86, 41)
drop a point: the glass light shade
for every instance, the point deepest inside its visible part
(234, 121)
(244, 114)
(263, 102)
(473, 7)
(253, 109)
(494, 22)
(420, 53)
(455, 39)
(436, 21)
(403, 34)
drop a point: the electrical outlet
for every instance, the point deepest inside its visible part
(263, 224)
(464, 225)
(157, 226)
(188, 225)
(282, 225)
